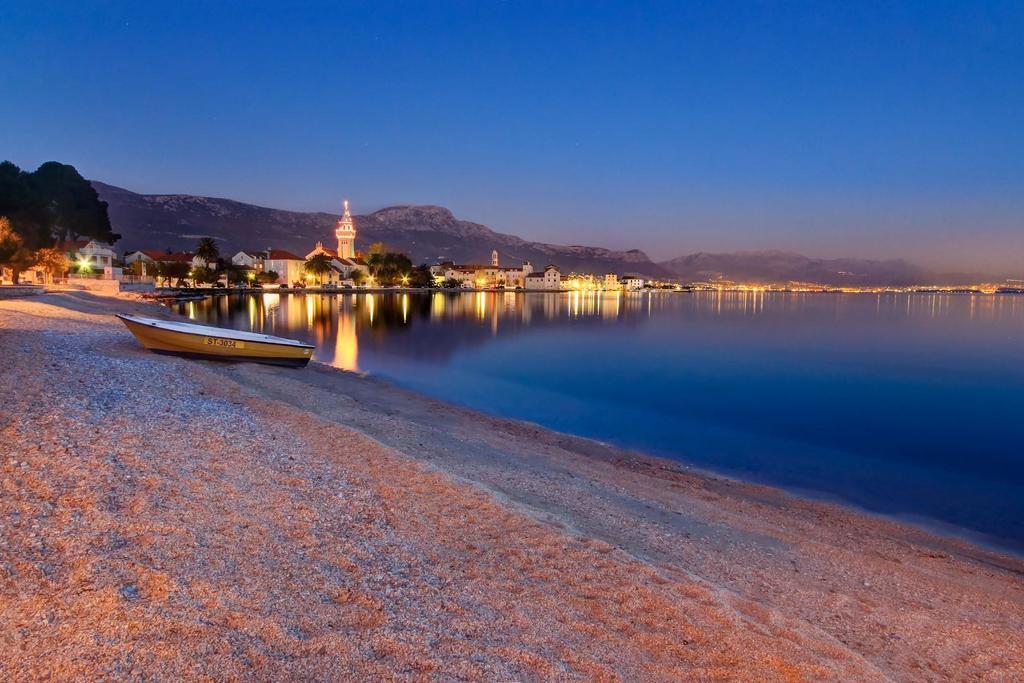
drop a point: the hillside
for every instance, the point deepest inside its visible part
(427, 233)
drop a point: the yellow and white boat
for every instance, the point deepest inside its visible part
(216, 343)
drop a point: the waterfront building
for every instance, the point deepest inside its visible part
(98, 256)
(550, 279)
(486, 277)
(249, 259)
(150, 256)
(611, 281)
(288, 266)
(632, 283)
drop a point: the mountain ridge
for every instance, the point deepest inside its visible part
(777, 266)
(428, 233)
(431, 233)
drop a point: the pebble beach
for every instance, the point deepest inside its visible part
(164, 518)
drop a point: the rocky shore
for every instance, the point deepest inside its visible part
(163, 518)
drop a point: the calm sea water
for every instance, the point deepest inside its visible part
(908, 405)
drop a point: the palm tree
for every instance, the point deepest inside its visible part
(318, 266)
(207, 250)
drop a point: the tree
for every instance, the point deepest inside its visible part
(421, 277)
(53, 202)
(267, 276)
(175, 270)
(205, 276)
(239, 276)
(388, 267)
(13, 252)
(158, 270)
(25, 208)
(54, 262)
(318, 266)
(76, 209)
(358, 277)
(207, 250)
(10, 241)
(375, 255)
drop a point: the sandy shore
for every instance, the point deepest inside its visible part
(164, 518)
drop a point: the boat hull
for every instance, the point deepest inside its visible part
(217, 347)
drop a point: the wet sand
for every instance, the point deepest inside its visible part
(164, 518)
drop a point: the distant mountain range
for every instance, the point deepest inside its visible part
(430, 234)
(781, 267)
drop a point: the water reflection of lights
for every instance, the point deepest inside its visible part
(346, 345)
(318, 318)
(309, 312)
(271, 301)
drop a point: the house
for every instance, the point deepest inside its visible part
(151, 257)
(287, 265)
(91, 256)
(548, 280)
(611, 281)
(249, 259)
(632, 283)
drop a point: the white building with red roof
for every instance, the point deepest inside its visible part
(287, 265)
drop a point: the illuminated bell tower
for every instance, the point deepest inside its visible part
(494, 258)
(346, 234)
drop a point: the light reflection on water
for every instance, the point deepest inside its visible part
(904, 404)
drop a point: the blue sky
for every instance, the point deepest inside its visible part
(860, 128)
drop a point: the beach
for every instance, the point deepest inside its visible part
(167, 518)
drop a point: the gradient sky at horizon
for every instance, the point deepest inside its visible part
(873, 129)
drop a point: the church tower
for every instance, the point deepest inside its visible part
(346, 234)
(494, 258)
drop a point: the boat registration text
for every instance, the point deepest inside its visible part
(228, 343)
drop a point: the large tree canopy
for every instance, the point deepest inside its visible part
(54, 202)
(317, 266)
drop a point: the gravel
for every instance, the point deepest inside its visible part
(165, 518)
